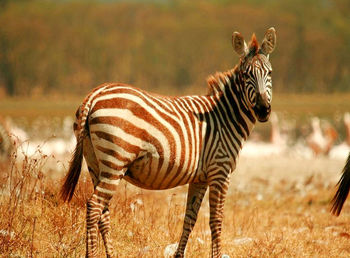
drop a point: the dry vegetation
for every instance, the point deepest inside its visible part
(275, 208)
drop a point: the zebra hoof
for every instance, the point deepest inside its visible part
(225, 256)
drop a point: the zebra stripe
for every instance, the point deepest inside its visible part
(160, 142)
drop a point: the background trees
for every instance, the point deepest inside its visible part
(69, 47)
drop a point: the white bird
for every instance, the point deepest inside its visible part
(276, 146)
(275, 135)
(341, 151)
(6, 145)
(52, 146)
(319, 142)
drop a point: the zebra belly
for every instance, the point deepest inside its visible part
(147, 172)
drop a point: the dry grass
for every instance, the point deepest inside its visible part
(275, 208)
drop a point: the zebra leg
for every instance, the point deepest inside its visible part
(105, 227)
(106, 177)
(97, 217)
(195, 196)
(93, 215)
(217, 194)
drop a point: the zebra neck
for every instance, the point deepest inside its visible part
(229, 112)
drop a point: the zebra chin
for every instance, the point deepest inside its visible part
(262, 109)
(262, 113)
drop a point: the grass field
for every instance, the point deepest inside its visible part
(276, 207)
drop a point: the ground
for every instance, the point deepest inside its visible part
(277, 206)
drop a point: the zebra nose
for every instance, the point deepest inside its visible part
(262, 108)
(263, 101)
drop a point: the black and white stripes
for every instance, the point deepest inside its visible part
(159, 142)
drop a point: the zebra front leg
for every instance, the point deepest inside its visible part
(195, 196)
(105, 229)
(217, 194)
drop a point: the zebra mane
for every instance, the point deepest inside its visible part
(218, 81)
(253, 46)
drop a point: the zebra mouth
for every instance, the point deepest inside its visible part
(262, 113)
(262, 109)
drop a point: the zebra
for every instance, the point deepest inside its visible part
(160, 142)
(343, 189)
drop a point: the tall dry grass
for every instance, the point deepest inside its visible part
(33, 223)
(270, 211)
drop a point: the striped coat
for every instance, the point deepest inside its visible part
(158, 142)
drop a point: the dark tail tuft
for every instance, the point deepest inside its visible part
(343, 190)
(72, 177)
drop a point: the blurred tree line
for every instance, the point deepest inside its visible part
(69, 47)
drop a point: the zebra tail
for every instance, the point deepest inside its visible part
(343, 190)
(72, 177)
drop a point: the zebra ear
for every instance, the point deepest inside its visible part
(239, 44)
(269, 41)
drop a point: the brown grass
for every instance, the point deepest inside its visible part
(277, 207)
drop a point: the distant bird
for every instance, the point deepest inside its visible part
(51, 146)
(277, 144)
(18, 135)
(341, 150)
(321, 142)
(6, 145)
(275, 135)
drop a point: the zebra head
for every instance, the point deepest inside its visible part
(255, 70)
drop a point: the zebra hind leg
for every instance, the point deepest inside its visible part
(93, 215)
(98, 216)
(195, 196)
(105, 229)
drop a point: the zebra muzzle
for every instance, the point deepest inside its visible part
(262, 108)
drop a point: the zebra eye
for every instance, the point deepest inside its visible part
(270, 72)
(245, 73)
